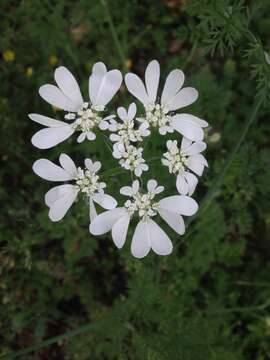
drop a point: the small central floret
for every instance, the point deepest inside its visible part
(174, 159)
(132, 158)
(127, 132)
(86, 118)
(88, 182)
(143, 204)
(157, 115)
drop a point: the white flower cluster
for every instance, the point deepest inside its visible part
(127, 132)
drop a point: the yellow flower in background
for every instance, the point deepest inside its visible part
(8, 55)
(128, 63)
(29, 71)
(53, 60)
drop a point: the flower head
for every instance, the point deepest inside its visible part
(125, 131)
(148, 235)
(160, 114)
(130, 158)
(181, 161)
(86, 181)
(86, 117)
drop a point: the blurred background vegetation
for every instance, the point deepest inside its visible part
(211, 298)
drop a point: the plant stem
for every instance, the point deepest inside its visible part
(114, 33)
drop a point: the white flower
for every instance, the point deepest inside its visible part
(103, 85)
(148, 235)
(130, 158)
(159, 114)
(125, 131)
(179, 161)
(60, 198)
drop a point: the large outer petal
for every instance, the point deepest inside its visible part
(106, 201)
(152, 74)
(173, 84)
(60, 207)
(49, 171)
(175, 221)
(98, 72)
(119, 230)
(68, 164)
(68, 85)
(52, 136)
(54, 96)
(179, 204)
(56, 193)
(160, 242)
(185, 97)
(136, 87)
(183, 124)
(141, 243)
(46, 121)
(105, 221)
(109, 86)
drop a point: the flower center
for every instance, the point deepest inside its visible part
(88, 182)
(86, 118)
(132, 157)
(143, 204)
(157, 115)
(175, 160)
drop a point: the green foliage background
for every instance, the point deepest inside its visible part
(211, 298)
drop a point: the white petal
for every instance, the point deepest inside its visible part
(195, 148)
(46, 121)
(68, 85)
(151, 185)
(184, 98)
(122, 113)
(106, 201)
(56, 193)
(175, 221)
(197, 121)
(180, 204)
(89, 164)
(49, 171)
(135, 186)
(119, 230)
(115, 137)
(173, 84)
(103, 125)
(92, 210)
(140, 243)
(187, 128)
(126, 191)
(181, 185)
(52, 136)
(96, 166)
(54, 96)
(90, 135)
(200, 158)
(185, 143)
(105, 221)
(192, 181)
(60, 207)
(136, 87)
(160, 242)
(68, 164)
(109, 86)
(152, 74)
(195, 165)
(98, 72)
(131, 111)
(81, 137)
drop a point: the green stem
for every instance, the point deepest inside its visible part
(113, 31)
